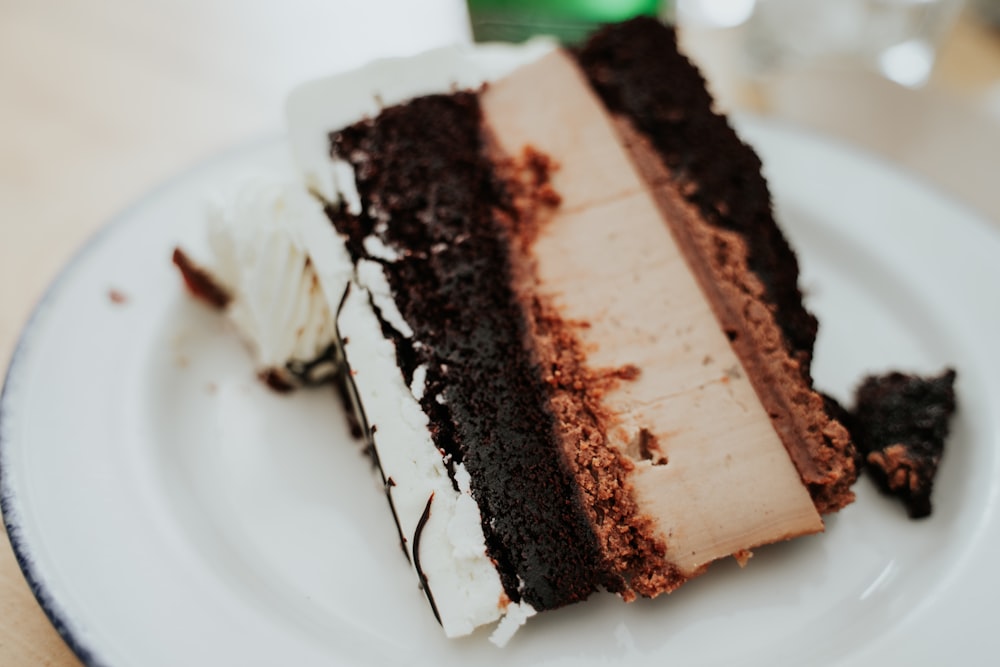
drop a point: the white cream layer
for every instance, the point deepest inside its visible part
(285, 266)
(451, 548)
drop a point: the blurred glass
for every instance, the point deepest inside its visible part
(567, 20)
(897, 38)
(714, 13)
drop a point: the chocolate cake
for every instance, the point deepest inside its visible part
(597, 318)
(571, 330)
(900, 422)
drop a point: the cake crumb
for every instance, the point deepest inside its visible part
(743, 556)
(276, 380)
(627, 372)
(117, 297)
(199, 282)
(516, 616)
(900, 423)
(649, 448)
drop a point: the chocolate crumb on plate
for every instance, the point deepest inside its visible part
(200, 282)
(900, 423)
(117, 296)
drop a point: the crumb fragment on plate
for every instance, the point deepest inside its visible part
(900, 423)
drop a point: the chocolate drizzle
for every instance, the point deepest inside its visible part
(317, 371)
(416, 556)
(359, 422)
(344, 388)
(389, 483)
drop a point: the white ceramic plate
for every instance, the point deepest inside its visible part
(169, 510)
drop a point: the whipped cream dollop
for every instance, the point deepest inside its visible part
(285, 266)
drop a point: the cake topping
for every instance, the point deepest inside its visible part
(444, 537)
(279, 271)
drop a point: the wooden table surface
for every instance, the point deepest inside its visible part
(101, 101)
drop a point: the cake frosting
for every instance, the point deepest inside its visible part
(279, 269)
(438, 520)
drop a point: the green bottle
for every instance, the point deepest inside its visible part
(567, 20)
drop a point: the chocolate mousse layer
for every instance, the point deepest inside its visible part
(708, 186)
(695, 459)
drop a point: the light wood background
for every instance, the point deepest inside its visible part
(100, 100)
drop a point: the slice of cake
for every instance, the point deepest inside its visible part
(572, 306)
(571, 330)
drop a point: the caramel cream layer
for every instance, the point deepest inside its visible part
(710, 469)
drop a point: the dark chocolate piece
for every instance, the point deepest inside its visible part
(200, 282)
(900, 423)
(344, 392)
(276, 380)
